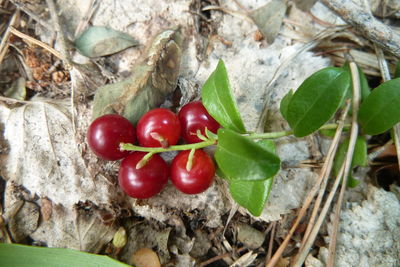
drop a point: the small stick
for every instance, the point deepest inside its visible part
(312, 193)
(349, 159)
(4, 41)
(301, 256)
(93, 4)
(366, 24)
(60, 35)
(271, 243)
(35, 17)
(32, 40)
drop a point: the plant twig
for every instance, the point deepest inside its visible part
(307, 202)
(299, 259)
(366, 24)
(4, 41)
(60, 34)
(271, 243)
(349, 159)
(131, 147)
(92, 6)
(210, 142)
(325, 173)
(35, 17)
(32, 40)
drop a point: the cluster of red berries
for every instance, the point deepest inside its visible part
(144, 178)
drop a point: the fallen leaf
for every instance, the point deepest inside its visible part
(45, 159)
(97, 41)
(269, 17)
(24, 220)
(149, 84)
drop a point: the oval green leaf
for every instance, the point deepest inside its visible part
(97, 41)
(381, 109)
(217, 98)
(241, 158)
(317, 100)
(252, 195)
(22, 256)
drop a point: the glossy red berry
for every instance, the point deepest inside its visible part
(106, 132)
(194, 116)
(199, 178)
(146, 181)
(158, 128)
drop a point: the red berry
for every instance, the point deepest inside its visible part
(194, 116)
(146, 181)
(200, 176)
(106, 132)
(158, 127)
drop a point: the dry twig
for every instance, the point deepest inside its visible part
(307, 202)
(32, 15)
(32, 40)
(271, 243)
(4, 41)
(60, 35)
(349, 159)
(366, 24)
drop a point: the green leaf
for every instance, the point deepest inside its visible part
(380, 111)
(21, 256)
(241, 158)
(285, 103)
(317, 100)
(97, 41)
(252, 195)
(359, 158)
(217, 98)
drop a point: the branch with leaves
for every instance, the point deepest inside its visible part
(249, 162)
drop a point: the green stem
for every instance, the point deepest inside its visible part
(130, 147)
(273, 135)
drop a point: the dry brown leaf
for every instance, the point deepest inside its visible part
(44, 159)
(149, 84)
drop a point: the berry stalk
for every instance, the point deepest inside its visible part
(210, 142)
